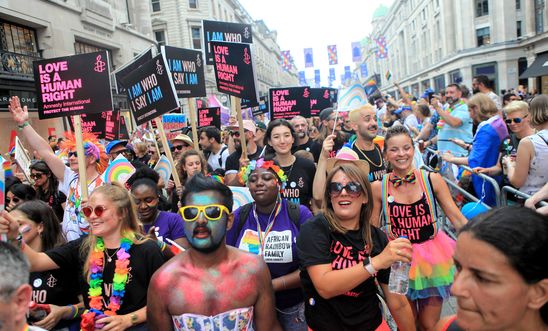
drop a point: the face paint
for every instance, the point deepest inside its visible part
(204, 235)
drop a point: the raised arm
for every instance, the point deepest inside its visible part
(318, 185)
(21, 116)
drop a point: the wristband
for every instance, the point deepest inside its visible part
(21, 126)
(369, 267)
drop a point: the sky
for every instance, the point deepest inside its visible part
(316, 24)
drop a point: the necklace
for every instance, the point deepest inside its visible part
(368, 159)
(109, 257)
(96, 266)
(288, 173)
(262, 237)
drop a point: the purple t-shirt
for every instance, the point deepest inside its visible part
(280, 251)
(168, 225)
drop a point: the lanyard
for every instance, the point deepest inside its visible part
(262, 236)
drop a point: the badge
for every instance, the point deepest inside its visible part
(37, 282)
(390, 199)
(311, 301)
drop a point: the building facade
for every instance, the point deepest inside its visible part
(36, 29)
(432, 43)
(179, 23)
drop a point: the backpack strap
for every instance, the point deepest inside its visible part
(294, 211)
(243, 215)
(221, 156)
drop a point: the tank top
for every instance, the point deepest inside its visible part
(240, 319)
(417, 221)
(538, 172)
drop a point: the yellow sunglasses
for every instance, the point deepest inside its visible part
(211, 212)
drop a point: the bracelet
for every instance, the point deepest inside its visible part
(21, 126)
(72, 312)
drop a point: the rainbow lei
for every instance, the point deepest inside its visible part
(96, 265)
(244, 173)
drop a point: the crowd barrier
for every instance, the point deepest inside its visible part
(517, 193)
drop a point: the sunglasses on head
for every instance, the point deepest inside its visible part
(98, 210)
(36, 175)
(516, 120)
(14, 199)
(211, 212)
(352, 189)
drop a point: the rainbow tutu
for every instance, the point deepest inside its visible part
(432, 269)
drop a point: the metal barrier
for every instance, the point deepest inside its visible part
(489, 179)
(511, 190)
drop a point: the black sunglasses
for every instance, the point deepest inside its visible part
(235, 133)
(37, 175)
(516, 120)
(75, 154)
(122, 151)
(352, 189)
(180, 147)
(14, 199)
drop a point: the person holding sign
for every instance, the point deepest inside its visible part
(408, 199)
(341, 253)
(74, 224)
(280, 138)
(211, 283)
(269, 227)
(114, 263)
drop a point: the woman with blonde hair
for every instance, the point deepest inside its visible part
(114, 263)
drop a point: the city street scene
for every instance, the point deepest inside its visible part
(239, 165)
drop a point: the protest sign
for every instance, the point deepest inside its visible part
(321, 98)
(245, 103)
(187, 69)
(119, 170)
(123, 131)
(224, 31)
(163, 168)
(73, 85)
(22, 159)
(288, 102)
(173, 124)
(151, 91)
(263, 106)
(371, 87)
(234, 70)
(104, 125)
(126, 69)
(210, 117)
(241, 196)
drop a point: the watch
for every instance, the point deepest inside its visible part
(133, 317)
(369, 267)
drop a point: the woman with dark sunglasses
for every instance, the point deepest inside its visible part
(408, 198)
(46, 185)
(18, 194)
(268, 227)
(114, 263)
(341, 254)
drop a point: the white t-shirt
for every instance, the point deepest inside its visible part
(221, 155)
(411, 122)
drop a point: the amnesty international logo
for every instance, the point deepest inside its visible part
(52, 281)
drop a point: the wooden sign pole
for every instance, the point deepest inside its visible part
(163, 138)
(154, 137)
(237, 107)
(82, 174)
(193, 122)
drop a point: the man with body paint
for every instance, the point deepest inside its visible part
(211, 283)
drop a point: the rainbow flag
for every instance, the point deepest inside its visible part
(332, 53)
(6, 165)
(388, 75)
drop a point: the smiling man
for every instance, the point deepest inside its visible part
(211, 283)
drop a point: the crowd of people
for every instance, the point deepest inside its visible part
(336, 201)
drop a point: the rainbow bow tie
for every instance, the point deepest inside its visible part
(397, 181)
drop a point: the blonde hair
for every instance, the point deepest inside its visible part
(354, 114)
(486, 107)
(539, 110)
(141, 148)
(355, 174)
(125, 208)
(516, 106)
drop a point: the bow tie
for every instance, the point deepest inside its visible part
(397, 181)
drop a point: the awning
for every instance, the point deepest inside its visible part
(538, 68)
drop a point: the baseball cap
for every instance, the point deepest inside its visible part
(426, 93)
(325, 113)
(115, 143)
(402, 109)
(260, 125)
(249, 125)
(184, 138)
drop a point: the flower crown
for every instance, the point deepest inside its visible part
(244, 173)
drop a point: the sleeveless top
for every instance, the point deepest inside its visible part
(240, 319)
(418, 220)
(538, 172)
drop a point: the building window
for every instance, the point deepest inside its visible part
(455, 77)
(83, 48)
(155, 5)
(160, 37)
(482, 8)
(487, 69)
(483, 36)
(518, 4)
(196, 33)
(518, 29)
(439, 82)
(193, 4)
(18, 48)
(539, 16)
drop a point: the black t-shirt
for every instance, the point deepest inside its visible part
(144, 260)
(233, 160)
(357, 309)
(300, 176)
(312, 147)
(55, 287)
(377, 168)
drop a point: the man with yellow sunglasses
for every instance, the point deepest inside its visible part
(211, 283)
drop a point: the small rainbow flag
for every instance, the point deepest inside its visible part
(388, 75)
(6, 165)
(119, 170)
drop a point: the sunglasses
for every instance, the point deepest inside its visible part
(235, 134)
(151, 152)
(516, 120)
(180, 147)
(75, 154)
(36, 175)
(98, 210)
(149, 201)
(14, 199)
(211, 212)
(352, 189)
(123, 151)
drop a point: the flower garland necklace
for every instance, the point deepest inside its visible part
(96, 266)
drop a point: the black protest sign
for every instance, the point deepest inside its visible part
(73, 85)
(263, 106)
(138, 61)
(104, 125)
(187, 69)
(150, 90)
(289, 102)
(224, 31)
(210, 116)
(234, 70)
(246, 103)
(123, 132)
(321, 98)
